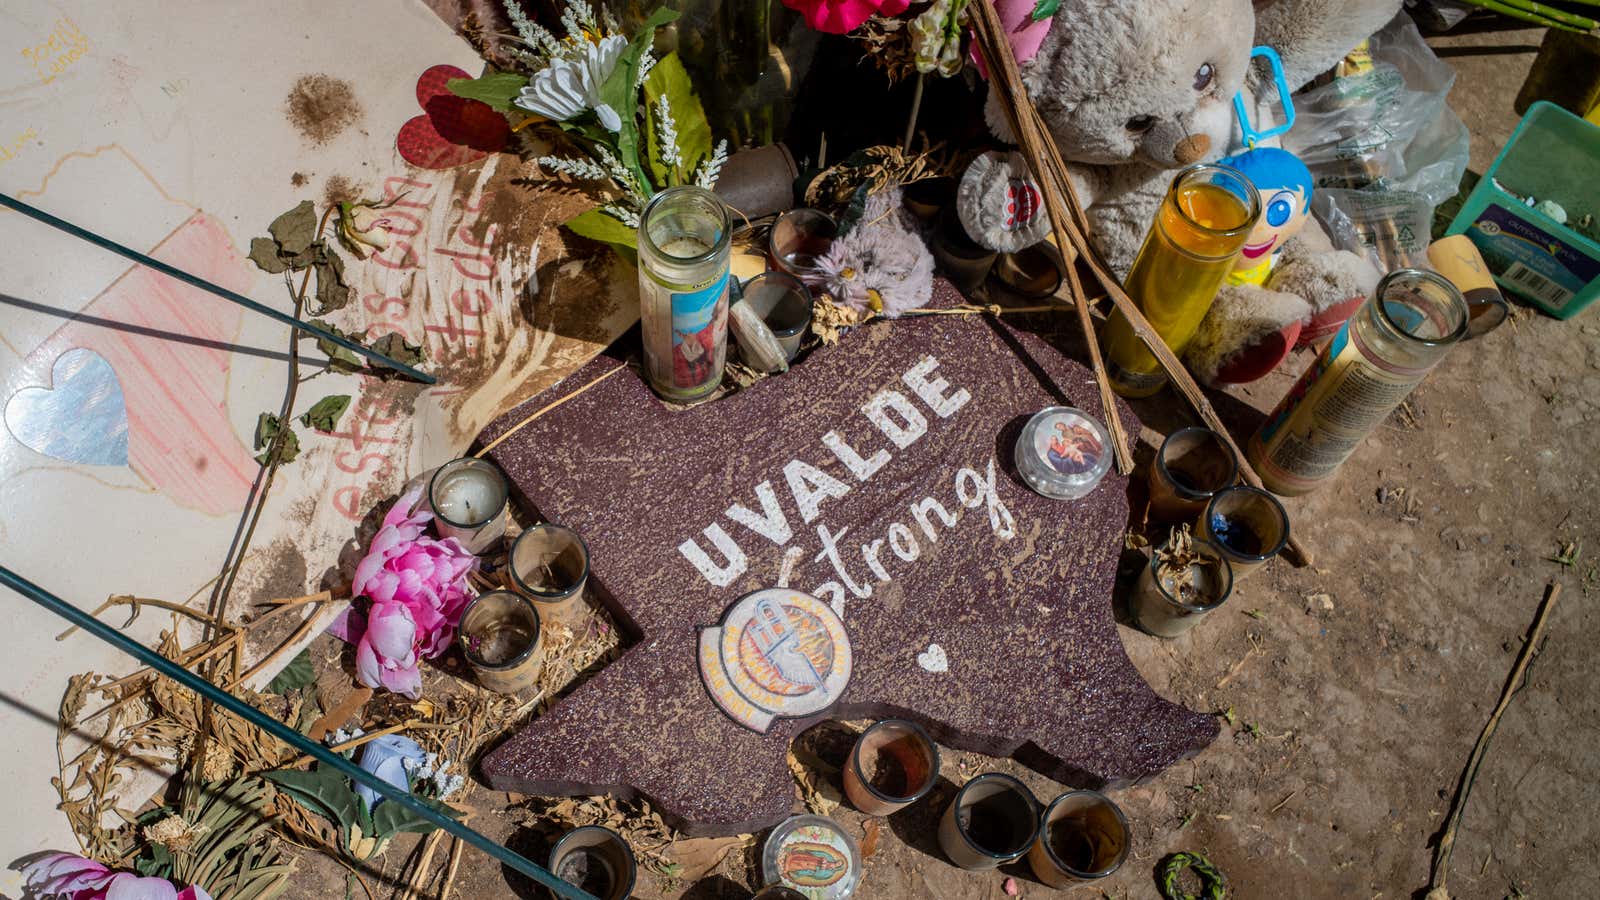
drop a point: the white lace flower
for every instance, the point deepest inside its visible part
(565, 88)
(711, 167)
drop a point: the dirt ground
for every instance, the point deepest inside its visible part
(1356, 687)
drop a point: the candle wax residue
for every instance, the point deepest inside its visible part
(466, 499)
(685, 247)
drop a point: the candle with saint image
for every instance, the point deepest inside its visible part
(468, 498)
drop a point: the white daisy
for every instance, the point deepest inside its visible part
(565, 88)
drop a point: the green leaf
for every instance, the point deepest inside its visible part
(325, 793)
(1045, 9)
(670, 79)
(155, 862)
(391, 817)
(620, 92)
(299, 672)
(497, 89)
(608, 229)
(296, 229)
(323, 416)
(267, 428)
(264, 253)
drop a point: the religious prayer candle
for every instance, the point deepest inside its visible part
(1358, 378)
(1247, 525)
(893, 764)
(993, 820)
(596, 860)
(1201, 227)
(1063, 453)
(684, 246)
(813, 855)
(502, 641)
(549, 565)
(468, 498)
(1173, 595)
(1191, 466)
(1084, 837)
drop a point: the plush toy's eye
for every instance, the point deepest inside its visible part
(1281, 209)
(1141, 124)
(1203, 76)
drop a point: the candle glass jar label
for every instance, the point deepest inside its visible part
(502, 641)
(1084, 837)
(549, 564)
(468, 498)
(684, 277)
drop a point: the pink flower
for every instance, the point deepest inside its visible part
(73, 877)
(843, 16)
(418, 588)
(1024, 33)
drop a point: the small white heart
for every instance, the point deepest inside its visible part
(934, 659)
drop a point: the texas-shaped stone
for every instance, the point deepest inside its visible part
(878, 476)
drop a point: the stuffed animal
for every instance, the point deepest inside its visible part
(1132, 91)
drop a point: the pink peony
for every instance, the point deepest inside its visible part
(844, 16)
(72, 877)
(418, 588)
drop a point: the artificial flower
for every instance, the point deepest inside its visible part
(936, 37)
(417, 587)
(1024, 32)
(72, 877)
(880, 265)
(363, 228)
(844, 16)
(567, 87)
(390, 758)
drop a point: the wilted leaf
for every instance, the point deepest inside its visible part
(295, 230)
(268, 426)
(332, 292)
(871, 831)
(264, 253)
(697, 857)
(324, 416)
(339, 359)
(297, 674)
(397, 348)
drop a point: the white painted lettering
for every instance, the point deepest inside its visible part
(902, 435)
(931, 390)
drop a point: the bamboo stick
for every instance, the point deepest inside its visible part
(1072, 229)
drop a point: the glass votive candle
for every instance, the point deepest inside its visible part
(784, 304)
(468, 498)
(893, 765)
(1063, 453)
(1033, 273)
(1177, 589)
(596, 860)
(502, 641)
(961, 259)
(1190, 467)
(1247, 525)
(549, 564)
(798, 240)
(1084, 837)
(993, 820)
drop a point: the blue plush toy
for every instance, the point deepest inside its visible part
(1285, 185)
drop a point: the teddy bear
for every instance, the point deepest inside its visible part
(1132, 91)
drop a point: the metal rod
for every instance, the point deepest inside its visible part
(283, 732)
(144, 259)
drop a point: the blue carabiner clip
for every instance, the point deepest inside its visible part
(1253, 137)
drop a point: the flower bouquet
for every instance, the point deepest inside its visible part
(637, 118)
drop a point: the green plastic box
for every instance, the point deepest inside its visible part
(1554, 155)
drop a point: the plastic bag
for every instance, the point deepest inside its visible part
(1383, 145)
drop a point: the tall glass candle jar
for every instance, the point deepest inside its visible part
(1203, 223)
(1370, 366)
(684, 241)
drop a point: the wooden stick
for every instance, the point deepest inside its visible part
(1441, 853)
(1071, 224)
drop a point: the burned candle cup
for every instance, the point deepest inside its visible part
(784, 305)
(502, 641)
(468, 498)
(1191, 466)
(549, 565)
(893, 765)
(1033, 273)
(798, 241)
(1186, 579)
(1084, 837)
(596, 860)
(992, 821)
(1247, 525)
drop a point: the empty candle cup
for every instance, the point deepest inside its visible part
(992, 821)
(549, 565)
(468, 499)
(798, 240)
(784, 304)
(893, 765)
(1191, 466)
(1247, 525)
(1084, 837)
(595, 860)
(1186, 579)
(502, 641)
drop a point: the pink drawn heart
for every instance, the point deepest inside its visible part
(452, 131)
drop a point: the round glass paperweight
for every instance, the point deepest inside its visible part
(1063, 453)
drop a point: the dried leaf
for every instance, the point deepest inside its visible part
(268, 427)
(339, 359)
(332, 292)
(697, 857)
(295, 230)
(324, 417)
(871, 831)
(397, 348)
(264, 253)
